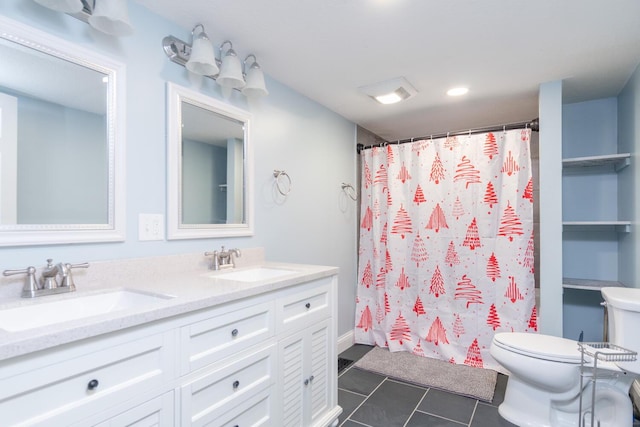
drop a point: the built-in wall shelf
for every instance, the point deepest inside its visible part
(589, 284)
(619, 226)
(618, 161)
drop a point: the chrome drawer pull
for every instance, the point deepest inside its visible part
(234, 333)
(93, 384)
(236, 384)
(308, 305)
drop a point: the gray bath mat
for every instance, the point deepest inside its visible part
(427, 372)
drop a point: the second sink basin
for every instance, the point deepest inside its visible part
(253, 274)
(43, 313)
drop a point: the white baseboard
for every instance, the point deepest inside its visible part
(345, 341)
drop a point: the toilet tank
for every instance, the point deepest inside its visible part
(623, 308)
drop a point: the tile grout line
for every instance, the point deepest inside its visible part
(416, 408)
(473, 414)
(362, 403)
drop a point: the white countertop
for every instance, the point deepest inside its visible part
(193, 290)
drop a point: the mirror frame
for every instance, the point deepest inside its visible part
(176, 95)
(114, 230)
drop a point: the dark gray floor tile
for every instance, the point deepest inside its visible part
(355, 352)
(390, 405)
(487, 416)
(501, 386)
(420, 419)
(359, 381)
(448, 405)
(349, 402)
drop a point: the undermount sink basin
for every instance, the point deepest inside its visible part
(253, 274)
(43, 313)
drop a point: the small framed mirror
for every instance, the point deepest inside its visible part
(61, 141)
(209, 167)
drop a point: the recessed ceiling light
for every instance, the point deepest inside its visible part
(457, 91)
(390, 91)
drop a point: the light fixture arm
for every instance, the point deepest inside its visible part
(255, 60)
(230, 47)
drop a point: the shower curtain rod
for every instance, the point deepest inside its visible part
(533, 124)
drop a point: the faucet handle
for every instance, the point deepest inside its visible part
(67, 277)
(30, 284)
(216, 260)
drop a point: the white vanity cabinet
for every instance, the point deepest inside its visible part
(307, 359)
(267, 359)
(65, 385)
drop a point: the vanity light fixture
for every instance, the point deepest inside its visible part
(202, 59)
(231, 69)
(254, 86)
(390, 91)
(108, 16)
(228, 71)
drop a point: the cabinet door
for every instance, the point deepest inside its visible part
(154, 413)
(306, 379)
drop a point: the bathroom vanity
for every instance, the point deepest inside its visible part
(254, 348)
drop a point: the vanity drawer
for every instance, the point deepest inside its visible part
(305, 305)
(255, 412)
(66, 391)
(205, 398)
(222, 335)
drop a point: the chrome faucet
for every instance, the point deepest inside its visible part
(48, 283)
(223, 259)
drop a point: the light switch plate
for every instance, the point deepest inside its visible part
(151, 227)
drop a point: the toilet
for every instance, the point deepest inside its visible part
(544, 381)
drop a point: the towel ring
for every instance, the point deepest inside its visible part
(350, 191)
(277, 174)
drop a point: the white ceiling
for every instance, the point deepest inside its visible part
(501, 49)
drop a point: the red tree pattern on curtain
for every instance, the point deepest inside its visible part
(367, 219)
(528, 191)
(467, 172)
(493, 319)
(402, 223)
(533, 320)
(367, 276)
(466, 290)
(419, 196)
(493, 269)
(437, 219)
(437, 333)
(513, 293)
(437, 283)
(403, 281)
(510, 225)
(474, 358)
(400, 331)
(490, 145)
(458, 209)
(510, 165)
(418, 308)
(365, 320)
(403, 175)
(472, 240)
(452, 255)
(437, 170)
(419, 251)
(490, 196)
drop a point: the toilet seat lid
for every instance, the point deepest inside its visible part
(544, 347)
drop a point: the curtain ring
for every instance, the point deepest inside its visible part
(350, 191)
(277, 174)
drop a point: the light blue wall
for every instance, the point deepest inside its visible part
(550, 315)
(629, 180)
(316, 147)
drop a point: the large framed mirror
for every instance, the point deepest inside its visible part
(209, 185)
(61, 141)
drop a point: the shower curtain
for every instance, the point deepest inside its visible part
(446, 245)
